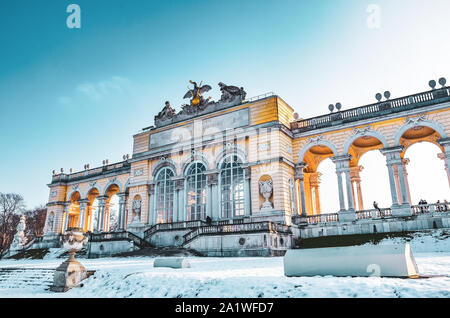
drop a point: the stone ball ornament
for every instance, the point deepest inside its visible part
(378, 96)
(442, 81)
(331, 107)
(432, 84)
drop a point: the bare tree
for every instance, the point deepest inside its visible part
(35, 222)
(11, 205)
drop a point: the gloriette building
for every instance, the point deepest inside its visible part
(239, 176)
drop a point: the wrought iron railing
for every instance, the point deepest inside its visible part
(373, 110)
(237, 228)
(252, 99)
(173, 226)
(117, 236)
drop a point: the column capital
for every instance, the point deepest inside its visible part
(392, 154)
(341, 158)
(354, 173)
(299, 170)
(341, 162)
(444, 141)
(102, 199)
(314, 179)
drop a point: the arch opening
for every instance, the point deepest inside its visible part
(111, 208)
(196, 191)
(426, 173)
(164, 195)
(74, 210)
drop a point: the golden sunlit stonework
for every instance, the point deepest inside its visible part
(239, 177)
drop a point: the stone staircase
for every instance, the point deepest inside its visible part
(25, 278)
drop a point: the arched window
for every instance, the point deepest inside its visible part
(164, 196)
(196, 192)
(232, 187)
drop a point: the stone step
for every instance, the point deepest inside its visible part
(14, 278)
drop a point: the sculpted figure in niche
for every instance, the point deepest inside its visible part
(266, 188)
(136, 210)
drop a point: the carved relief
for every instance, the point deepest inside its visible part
(416, 120)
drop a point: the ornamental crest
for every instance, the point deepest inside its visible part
(415, 120)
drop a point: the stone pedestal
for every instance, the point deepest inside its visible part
(347, 216)
(71, 272)
(68, 275)
(137, 228)
(401, 210)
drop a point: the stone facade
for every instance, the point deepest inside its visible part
(212, 167)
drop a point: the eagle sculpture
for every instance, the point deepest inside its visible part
(196, 93)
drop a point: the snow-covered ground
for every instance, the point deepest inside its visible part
(246, 277)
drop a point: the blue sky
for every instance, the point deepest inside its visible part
(74, 96)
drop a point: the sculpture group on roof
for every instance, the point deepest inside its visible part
(231, 96)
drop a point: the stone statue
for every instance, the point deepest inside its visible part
(49, 223)
(231, 96)
(136, 211)
(266, 188)
(231, 93)
(19, 239)
(196, 94)
(166, 113)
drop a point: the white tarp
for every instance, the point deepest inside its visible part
(378, 261)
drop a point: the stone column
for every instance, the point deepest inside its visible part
(82, 216)
(122, 208)
(299, 175)
(402, 180)
(212, 182)
(342, 166)
(151, 203)
(178, 205)
(444, 158)
(101, 214)
(314, 182)
(339, 169)
(445, 142)
(405, 161)
(247, 191)
(397, 184)
(355, 178)
(393, 158)
(66, 216)
(351, 206)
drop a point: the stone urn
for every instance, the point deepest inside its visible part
(71, 272)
